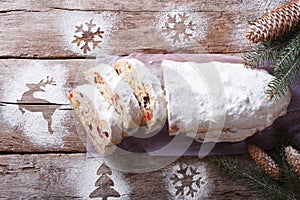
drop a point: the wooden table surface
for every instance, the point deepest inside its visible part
(44, 47)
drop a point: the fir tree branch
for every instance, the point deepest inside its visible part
(261, 54)
(284, 52)
(280, 84)
(289, 179)
(286, 73)
(250, 176)
(268, 51)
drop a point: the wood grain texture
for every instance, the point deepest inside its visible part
(46, 29)
(73, 176)
(14, 140)
(35, 120)
(18, 74)
(130, 6)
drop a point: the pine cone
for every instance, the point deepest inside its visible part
(275, 24)
(293, 158)
(264, 161)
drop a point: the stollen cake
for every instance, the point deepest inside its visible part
(118, 94)
(221, 102)
(100, 121)
(147, 90)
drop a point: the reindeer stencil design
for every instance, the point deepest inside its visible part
(26, 102)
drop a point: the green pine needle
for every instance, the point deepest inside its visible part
(251, 177)
(285, 77)
(287, 68)
(261, 54)
(284, 53)
(288, 177)
(244, 172)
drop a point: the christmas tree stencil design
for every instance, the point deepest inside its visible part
(104, 184)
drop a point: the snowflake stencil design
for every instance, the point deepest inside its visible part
(182, 27)
(188, 182)
(179, 27)
(88, 36)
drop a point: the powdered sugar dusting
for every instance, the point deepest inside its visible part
(120, 185)
(32, 73)
(187, 181)
(267, 5)
(37, 122)
(182, 27)
(254, 10)
(85, 177)
(70, 21)
(35, 126)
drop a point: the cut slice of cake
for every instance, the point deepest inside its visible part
(147, 90)
(100, 121)
(118, 94)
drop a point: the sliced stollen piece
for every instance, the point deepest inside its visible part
(118, 94)
(100, 121)
(198, 94)
(147, 90)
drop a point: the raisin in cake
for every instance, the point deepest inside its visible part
(100, 121)
(148, 91)
(118, 94)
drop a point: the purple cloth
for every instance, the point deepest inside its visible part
(162, 144)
